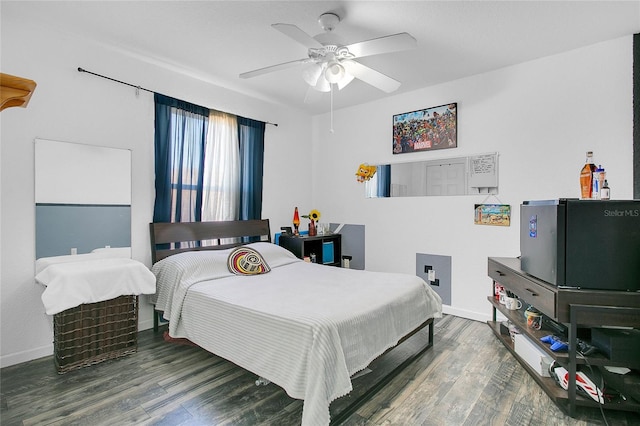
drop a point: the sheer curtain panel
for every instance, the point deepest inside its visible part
(222, 168)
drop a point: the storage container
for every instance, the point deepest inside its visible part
(95, 332)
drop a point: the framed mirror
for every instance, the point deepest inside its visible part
(476, 174)
(82, 199)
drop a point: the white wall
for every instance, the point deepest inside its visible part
(77, 107)
(541, 117)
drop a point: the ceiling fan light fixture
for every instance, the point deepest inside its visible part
(335, 72)
(311, 73)
(322, 85)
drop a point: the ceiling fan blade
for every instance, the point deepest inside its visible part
(297, 34)
(273, 68)
(348, 78)
(371, 76)
(388, 44)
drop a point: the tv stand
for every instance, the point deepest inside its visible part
(573, 308)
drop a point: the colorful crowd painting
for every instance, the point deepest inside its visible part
(426, 129)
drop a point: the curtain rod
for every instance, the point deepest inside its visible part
(136, 87)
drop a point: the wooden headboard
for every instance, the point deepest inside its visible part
(163, 234)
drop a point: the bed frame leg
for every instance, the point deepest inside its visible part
(261, 381)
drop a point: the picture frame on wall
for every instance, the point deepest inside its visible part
(426, 129)
(492, 214)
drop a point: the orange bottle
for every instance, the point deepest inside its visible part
(586, 177)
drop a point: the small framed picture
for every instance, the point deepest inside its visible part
(492, 214)
(426, 129)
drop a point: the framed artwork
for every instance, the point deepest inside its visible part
(426, 129)
(492, 214)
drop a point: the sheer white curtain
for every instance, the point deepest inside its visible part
(221, 196)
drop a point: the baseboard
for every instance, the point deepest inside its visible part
(463, 313)
(24, 356)
(145, 325)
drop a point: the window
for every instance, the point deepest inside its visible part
(208, 164)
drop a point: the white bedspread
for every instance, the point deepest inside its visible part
(305, 327)
(74, 280)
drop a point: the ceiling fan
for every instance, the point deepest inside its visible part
(330, 62)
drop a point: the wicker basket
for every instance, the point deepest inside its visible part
(95, 332)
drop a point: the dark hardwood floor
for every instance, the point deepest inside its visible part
(466, 378)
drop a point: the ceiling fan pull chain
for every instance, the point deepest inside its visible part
(331, 110)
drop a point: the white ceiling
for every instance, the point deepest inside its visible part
(218, 40)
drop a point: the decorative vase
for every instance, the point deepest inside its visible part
(312, 229)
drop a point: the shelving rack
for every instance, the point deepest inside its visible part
(570, 307)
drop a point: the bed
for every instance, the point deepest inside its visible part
(306, 327)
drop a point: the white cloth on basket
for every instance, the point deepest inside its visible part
(74, 280)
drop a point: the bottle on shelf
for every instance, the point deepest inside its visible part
(586, 177)
(605, 192)
(598, 181)
(602, 177)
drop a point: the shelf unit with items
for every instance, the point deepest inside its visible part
(326, 249)
(572, 308)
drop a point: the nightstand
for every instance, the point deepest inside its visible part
(326, 248)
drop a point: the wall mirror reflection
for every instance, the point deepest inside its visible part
(477, 174)
(82, 199)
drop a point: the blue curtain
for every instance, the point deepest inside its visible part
(251, 138)
(384, 180)
(180, 134)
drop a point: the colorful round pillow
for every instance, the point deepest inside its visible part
(246, 261)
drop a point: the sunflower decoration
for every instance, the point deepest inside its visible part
(314, 215)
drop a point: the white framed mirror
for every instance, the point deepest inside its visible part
(82, 199)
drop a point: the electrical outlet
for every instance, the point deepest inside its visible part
(74, 250)
(431, 273)
(435, 270)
